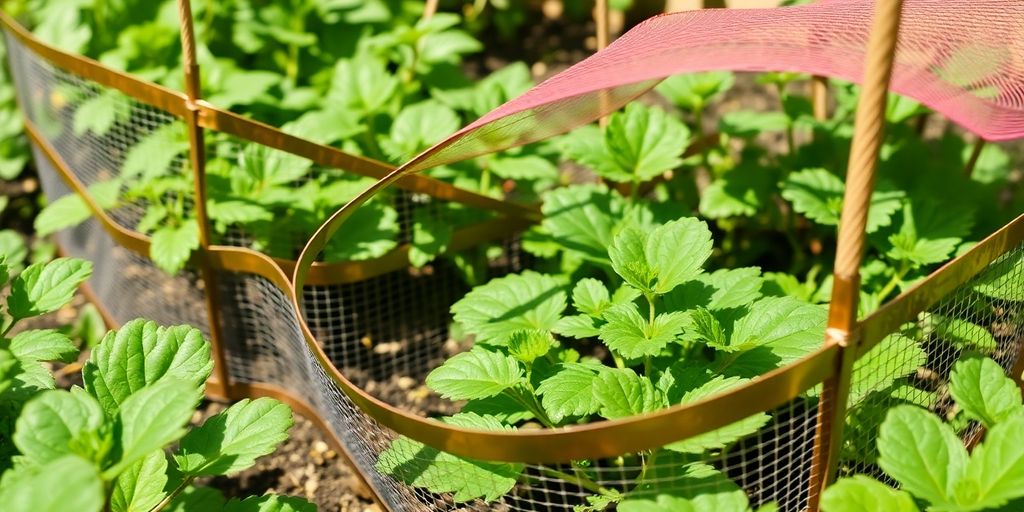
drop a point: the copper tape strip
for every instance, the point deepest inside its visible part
(939, 284)
(149, 93)
(220, 120)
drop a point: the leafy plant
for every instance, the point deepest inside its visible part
(102, 447)
(931, 464)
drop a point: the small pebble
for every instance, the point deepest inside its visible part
(406, 382)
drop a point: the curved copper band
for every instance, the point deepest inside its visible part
(888, 318)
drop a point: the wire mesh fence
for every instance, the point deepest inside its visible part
(385, 332)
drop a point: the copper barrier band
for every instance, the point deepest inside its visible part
(922, 295)
(131, 240)
(220, 120)
(258, 389)
(149, 93)
(595, 440)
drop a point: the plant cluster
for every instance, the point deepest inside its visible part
(375, 79)
(104, 446)
(929, 461)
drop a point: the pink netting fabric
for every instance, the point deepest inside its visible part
(962, 58)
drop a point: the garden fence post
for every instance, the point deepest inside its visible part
(197, 153)
(869, 129)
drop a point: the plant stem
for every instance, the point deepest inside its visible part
(173, 494)
(579, 479)
(897, 278)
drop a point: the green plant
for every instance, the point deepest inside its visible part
(103, 447)
(929, 461)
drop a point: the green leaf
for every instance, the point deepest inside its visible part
(68, 483)
(656, 261)
(631, 336)
(52, 422)
(921, 453)
(569, 392)
(529, 167)
(999, 280)
(417, 127)
(590, 297)
(720, 290)
(495, 310)
(269, 503)
(578, 326)
(684, 384)
(865, 494)
(197, 499)
(996, 468)
(583, 219)
(422, 466)
(776, 332)
(694, 91)
(743, 191)
(141, 486)
(13, 251)
(475, 374)
(363, 83)
(369, 233)
(959, 333)
(151, 419)
(240, 87)
(66, 211)
(153, 155)
(623, 393)
(430, 238)
(529, 344)
(448, 46)
(232, 440)
(748, 123)
(930, 231)
(894, 357)
(678, 486)
(644, 142)
(501, 407)
(43, 345)
(709, 331)
(99, 113)
(139, 354)
(984, 392)
(818, 195)
(172, 246)
(46, 287)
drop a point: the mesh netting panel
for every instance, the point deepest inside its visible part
(984, 315)
(962, 58)
(103, 135)
(772, 464)
(126, 284)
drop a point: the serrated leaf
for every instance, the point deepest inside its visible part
(269, 503)
(197, 499)
(171, 247)
(693, 91)
(45, 287)
(99, 113)
(996, 467)
(582, 219)
(66, 211)
(708, 330)
(865, 494)
(658, 260)
(959, 333)
(417, 127)
(139, 354)
(748, 123)
(50, 422)
(68, 483)
(369, 233)
(930, 231)
(430, 238)
(422, 466)
(684, 384)
(743, 191)
(528, 167)
(921, 453)
(578, 326)
(153, 155)
(999, 280)
(475, 374)
(43, 345)
(644, 142)
(495, 310)
(631, 336)
(13, 250)
(150, 419)
(720, 290)
(983, 391)
(818, 195)
(528, 344)
(501, 407)
(141, 486)
(232, 440)
(623, 393)
(775, 332)
(682, 486)
(591, 297)
(569, 392)
(895, 357)
(363, 84)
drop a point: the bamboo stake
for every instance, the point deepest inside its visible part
(197, 153)
(869, 128)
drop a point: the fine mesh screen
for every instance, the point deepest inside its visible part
(983, 316)
(967, 66)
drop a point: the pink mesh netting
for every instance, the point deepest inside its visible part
(962, 58)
